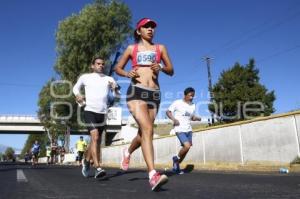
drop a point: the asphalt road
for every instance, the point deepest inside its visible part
(43, 181)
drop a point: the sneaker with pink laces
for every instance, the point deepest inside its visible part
(125, 161)
(157, 181)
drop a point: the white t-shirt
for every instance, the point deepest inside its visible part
(96, 88)
(183, 112)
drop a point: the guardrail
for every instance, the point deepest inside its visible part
(18, 118)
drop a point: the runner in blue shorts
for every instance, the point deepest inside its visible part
(182, 112)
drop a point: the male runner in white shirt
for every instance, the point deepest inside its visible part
(182, 112)
(96, 86)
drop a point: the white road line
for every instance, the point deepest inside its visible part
(21, 176)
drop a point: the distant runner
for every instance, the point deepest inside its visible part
(81, 146)
(35, 150)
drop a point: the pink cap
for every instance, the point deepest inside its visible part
(144, 21)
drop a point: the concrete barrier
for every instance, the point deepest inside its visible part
(269, 140)
(272, 140)
(70, 158)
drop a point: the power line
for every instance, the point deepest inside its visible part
(257, 34)
(254, 32)
(278, 53)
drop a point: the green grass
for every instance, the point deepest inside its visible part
(296, 160)
(164, 129)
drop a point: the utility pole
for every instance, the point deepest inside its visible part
(67, 139)
(208, 60)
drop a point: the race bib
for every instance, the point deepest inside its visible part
(146, 57)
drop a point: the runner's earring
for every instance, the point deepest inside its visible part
(138, 32)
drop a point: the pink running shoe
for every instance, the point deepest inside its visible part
(125, 161)
(157, 181)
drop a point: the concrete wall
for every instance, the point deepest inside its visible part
(272, 140)
(297, 128)
(222, 145)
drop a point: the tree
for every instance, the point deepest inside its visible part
(10, 153)
(238, 94)
(100, 29)
(54, 111)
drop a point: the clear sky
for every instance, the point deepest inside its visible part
(228, 31)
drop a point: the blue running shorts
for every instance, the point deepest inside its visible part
(185, 137)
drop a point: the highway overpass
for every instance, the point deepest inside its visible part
(22, 124)
(12, 124)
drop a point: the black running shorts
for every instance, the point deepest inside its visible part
(94, 121)
(150, 96)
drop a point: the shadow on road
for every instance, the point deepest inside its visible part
(188, 168)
